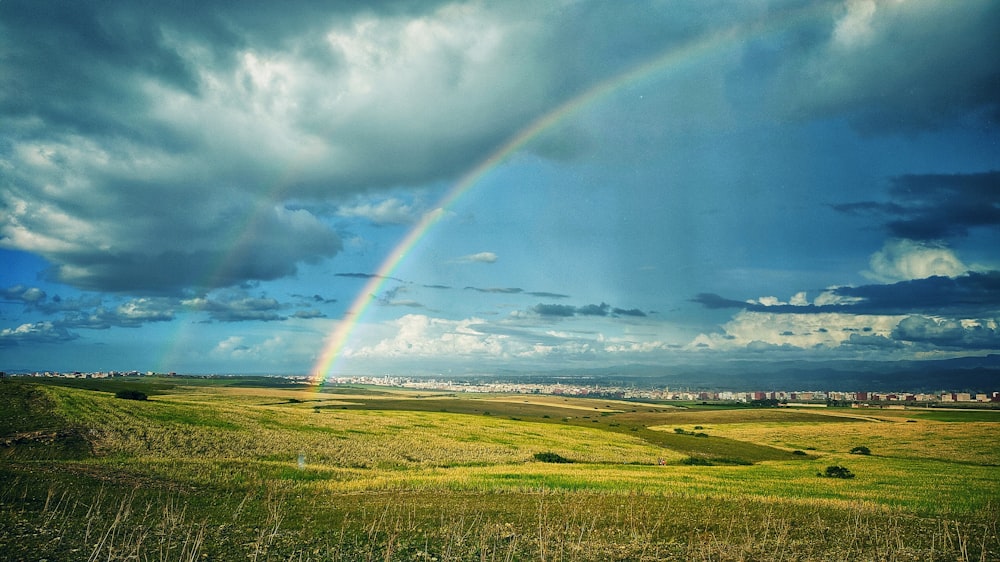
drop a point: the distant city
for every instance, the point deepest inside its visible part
(856, 398)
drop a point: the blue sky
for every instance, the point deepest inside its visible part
(207, 187)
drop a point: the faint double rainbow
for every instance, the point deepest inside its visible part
(673, 59)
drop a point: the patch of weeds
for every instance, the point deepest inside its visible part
(551, 457)
(837, 471)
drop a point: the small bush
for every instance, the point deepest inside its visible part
(130, 395)
(798, 452)
(551, 457)
(838, 472)
(861, 450)
(679, 431)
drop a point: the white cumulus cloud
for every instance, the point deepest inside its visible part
(904, 260)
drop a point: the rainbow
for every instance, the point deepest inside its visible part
(672, 59)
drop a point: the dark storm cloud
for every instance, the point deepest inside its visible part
(603, 309)
(545, 295)
(936, 206)
(887, 66)
(968, 294)
(872, 341)
(942, 332)
(161, 132)
(497, 290)
(971, 293)
(22, 294)
(594, 309)
(628, 312)
(559, 310)
(713, 301)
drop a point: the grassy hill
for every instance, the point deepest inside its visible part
(220, 471)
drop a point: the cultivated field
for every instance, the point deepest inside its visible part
(242, 469)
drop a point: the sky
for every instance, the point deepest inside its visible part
(423, 188)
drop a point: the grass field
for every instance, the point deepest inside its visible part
(226, 470)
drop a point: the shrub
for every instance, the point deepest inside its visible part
(798, 452)
(679, 431)
(130, 395)
(861, 450)
(551, 457)
(838, 472)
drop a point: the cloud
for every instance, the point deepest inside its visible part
(929, 207)
(417, 335)
(368, 276)
(904, 260)
(872, 341)
(514, 291)
(628, 312)
(237, 348)
(593, 310)
(237, 307)
(565, 311)
(22, 293)
(481, 257)
(387, 211)
(498, 290)
(559, 310)
(144, 157)
(888, 66)
(758, 330)
(949, 333)
(546, 295)
(130, 314)
(971, 293)
(308, 313)
(146, 238)
(316, 298)
(37, 332)
(447, 341)
(966, 294)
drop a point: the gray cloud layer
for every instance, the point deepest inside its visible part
(971, 294)
(936, 206)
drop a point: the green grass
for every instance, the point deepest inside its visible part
(220, 470)
(960, 416)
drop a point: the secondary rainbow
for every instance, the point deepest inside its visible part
(672, 59)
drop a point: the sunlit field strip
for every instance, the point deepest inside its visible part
(969, 442)
(352, 438)
(920, 487)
